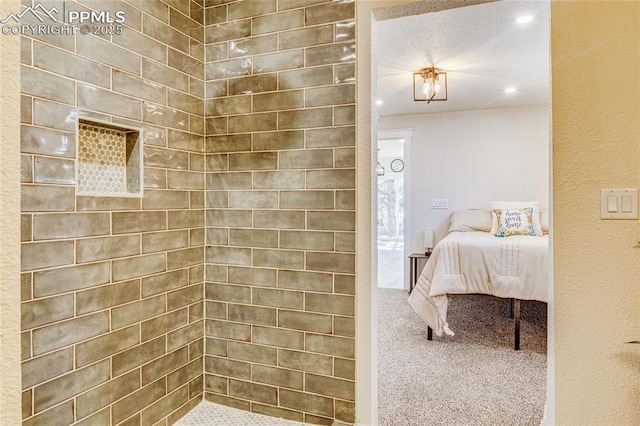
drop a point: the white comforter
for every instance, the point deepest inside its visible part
(479, 262)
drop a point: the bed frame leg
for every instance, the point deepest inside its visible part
(516, 340)
(429, 333)
(511, 308)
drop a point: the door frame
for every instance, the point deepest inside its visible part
(367, 14)
(408, 237)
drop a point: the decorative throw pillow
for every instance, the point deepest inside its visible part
(535, 205)
(514, 222)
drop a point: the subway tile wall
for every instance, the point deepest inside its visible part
(112, 287)
(280, 216)
(249, 150)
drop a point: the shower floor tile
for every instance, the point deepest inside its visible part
(210, 414)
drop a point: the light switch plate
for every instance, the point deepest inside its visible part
(619, 203)
(439, 203)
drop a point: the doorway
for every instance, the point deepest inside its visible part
(369, 17)
(391, 223)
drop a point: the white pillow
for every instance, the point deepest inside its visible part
(535, 205)
(470, 220)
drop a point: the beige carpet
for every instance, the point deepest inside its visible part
(472, 378)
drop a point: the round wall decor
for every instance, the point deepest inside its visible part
(397, 165)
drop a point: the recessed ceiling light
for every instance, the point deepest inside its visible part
(379, 102)
(524, 19)
(510, 90)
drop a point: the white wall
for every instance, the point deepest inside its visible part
(472, 158)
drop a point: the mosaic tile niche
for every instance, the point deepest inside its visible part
(109, 160)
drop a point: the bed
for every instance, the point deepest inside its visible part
(472, 261)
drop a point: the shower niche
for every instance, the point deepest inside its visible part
(109, 159)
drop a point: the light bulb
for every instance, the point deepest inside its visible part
(427, 87)
(436, 87)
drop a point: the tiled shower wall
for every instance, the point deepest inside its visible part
(112, 287)
(112, 311)
(280, 218)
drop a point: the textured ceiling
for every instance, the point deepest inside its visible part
(482, 49)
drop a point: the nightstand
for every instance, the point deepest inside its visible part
(416, 263)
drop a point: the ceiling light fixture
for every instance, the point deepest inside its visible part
(510, 90)
(430, 84)
(524, 19)
(379, 102)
